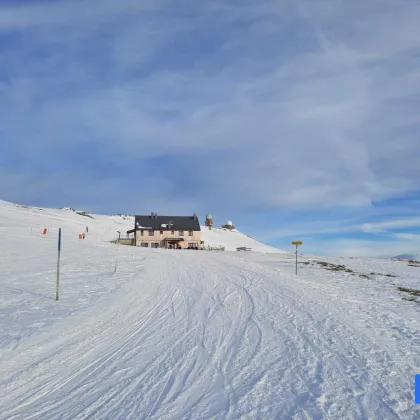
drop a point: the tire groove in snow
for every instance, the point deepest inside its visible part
(204, 335)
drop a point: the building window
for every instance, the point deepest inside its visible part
(193, 245)
(141, 233)
(181, 233)
(144, 245)
(190, 233)
(172, 232)
(155, 244)
(151, 233)
(161, 232)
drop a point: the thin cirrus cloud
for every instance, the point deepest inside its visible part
(236, 109)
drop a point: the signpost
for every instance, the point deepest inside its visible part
(297, 243)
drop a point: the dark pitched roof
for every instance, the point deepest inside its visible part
(155, 222)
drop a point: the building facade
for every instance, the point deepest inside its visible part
(170, 232)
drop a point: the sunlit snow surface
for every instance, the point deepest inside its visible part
(197, 334)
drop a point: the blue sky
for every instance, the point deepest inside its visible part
(294, 119)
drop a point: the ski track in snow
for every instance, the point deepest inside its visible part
(190, 334)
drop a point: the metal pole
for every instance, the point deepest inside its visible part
(57, 290)
(116, 258)
(296, 257)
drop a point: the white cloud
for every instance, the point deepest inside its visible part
(299, 105)
(391, 224)
(69, 12)
(342, 235)
(358, 248)
(408, 236)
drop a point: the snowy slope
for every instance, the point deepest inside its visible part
(231, 240)
(27, 221)
(32, 220)
(188, 335)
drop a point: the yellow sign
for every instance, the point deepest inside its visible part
(297, 243)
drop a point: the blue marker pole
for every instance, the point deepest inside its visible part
(417, 389)
(58, 265)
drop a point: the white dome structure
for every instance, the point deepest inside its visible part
(228, 225)
(209, 221)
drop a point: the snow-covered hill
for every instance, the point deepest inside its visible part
(406, 257)
(24, 220)
(32, 220)
(232, 239)
(197, 335)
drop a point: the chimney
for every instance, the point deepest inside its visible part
(195, 216)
